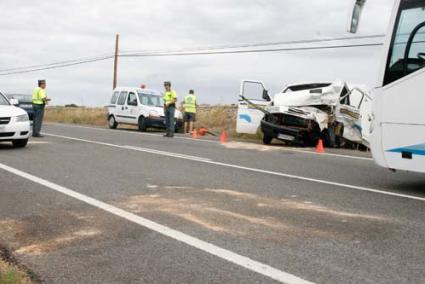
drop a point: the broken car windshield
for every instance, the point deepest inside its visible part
(306, 87)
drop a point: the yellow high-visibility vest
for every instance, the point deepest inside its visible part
(169, 96)
(38, 96)
(190, 103)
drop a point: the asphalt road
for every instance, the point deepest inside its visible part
(86, 205)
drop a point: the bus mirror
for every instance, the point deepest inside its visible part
(355, 14)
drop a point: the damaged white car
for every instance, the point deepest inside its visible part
(304, 113)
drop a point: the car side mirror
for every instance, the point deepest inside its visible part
(266, 96)
(14, 102)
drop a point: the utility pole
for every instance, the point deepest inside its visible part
(114, 83)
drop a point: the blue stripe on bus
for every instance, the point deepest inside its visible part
(418, 149)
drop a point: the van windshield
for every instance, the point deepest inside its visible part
(3, 101)
(151, 100)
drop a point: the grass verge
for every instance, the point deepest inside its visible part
(12, 273)
(215, 118)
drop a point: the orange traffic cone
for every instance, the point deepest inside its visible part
(202, 131)
(223, 137)
(194, 134)
(319, 148)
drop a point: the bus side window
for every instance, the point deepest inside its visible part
(407, 52)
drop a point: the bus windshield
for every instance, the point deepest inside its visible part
(407, 52)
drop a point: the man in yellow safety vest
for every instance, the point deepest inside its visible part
(170, 99)
(189, 106)
(39, 100)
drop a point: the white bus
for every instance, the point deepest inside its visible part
(397, 133)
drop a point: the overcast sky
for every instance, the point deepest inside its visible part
(37, 32)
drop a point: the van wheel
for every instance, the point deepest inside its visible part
(142, 124)
(328, 137)
(21, 143)
(112, 123)
(267, 140)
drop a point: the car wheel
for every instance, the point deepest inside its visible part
(142, 124)
(267, 140)
(112, 123)
(20, 143)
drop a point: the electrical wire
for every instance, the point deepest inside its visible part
(56, 66)
(219, 47)
(249, 51)
(197, 51)
(55, 63)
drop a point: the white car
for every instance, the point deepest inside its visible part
(141, 107)
(14, 123)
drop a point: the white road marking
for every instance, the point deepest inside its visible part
(227, 255)
(164, 153)
(208, 161)
(146, 150)
(37, 142)
(326, 154)
(217, 142)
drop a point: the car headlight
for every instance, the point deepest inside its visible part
(153, 113)
(22, 118)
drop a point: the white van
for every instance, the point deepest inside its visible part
(141, 107)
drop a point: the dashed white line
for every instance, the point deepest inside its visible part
(208, 161)
(212, 249)
(132, 148)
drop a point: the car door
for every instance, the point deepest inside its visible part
(253, 97)
(120, 109)
(131, 108)
(354, 112)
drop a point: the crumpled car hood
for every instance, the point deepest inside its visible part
(305, 112)
(305, 98)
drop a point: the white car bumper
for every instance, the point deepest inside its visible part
(15, 131)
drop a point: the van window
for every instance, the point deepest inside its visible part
(114, 98)
(122, 98)
(132, 99)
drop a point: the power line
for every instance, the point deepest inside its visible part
(56, 66)
(249, 51)
(206, 48)
(218, 47)
(55, 63)
(200, 51)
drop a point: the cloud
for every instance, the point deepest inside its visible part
(35, 32)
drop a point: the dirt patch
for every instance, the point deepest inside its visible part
(298, 205)
(55, 243)
(249, 215)
(39, 234)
